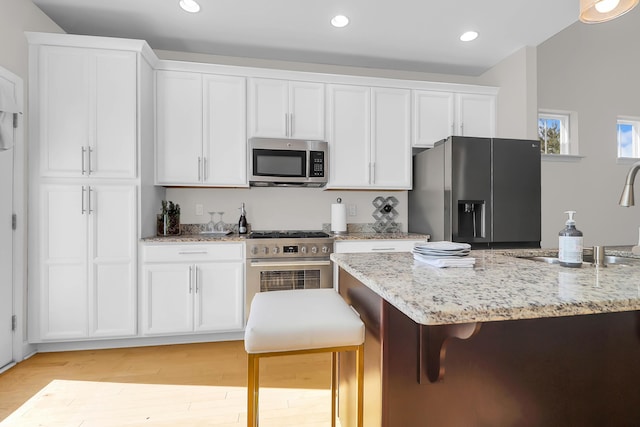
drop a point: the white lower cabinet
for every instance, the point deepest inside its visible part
(192, 289)
(87, 262)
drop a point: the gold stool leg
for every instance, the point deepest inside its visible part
(360, 376)
(253, 385)
(334, 386)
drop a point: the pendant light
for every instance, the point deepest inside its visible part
(595, 11)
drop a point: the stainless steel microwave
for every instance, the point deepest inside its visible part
(287, 162)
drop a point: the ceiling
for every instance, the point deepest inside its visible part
(412, 35)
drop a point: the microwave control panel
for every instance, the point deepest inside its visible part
(316, 164)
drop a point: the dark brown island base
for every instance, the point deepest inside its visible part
(564, 370)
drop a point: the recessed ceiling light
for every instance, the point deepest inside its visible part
(189, 6)
(340, 21)
(469, 36)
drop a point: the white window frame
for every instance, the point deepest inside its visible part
(568, 134)
(634, 122)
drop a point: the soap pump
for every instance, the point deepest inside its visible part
(570, 243)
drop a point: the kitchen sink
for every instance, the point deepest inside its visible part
(588, 260)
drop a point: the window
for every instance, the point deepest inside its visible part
(628, 139)
(553, 133)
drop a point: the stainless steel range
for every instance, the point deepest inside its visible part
(281, 260)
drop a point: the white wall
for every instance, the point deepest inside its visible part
(17, 16)
(593, 70)
(517, 106)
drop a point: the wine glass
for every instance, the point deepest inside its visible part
(220, 224)
(211, 224)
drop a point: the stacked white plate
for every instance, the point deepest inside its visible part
(444, 254)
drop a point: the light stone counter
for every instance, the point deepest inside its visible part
(194, 238)
(499, 287)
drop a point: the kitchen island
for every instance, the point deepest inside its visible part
(524, 343)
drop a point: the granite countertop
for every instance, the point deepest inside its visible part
(501, 286)
(195, 238)
(234, 237)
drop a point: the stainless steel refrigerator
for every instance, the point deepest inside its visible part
(483, 191)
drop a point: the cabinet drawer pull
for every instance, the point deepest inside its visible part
(383, 249)
(193, 253)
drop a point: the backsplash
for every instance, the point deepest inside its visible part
(283, 208)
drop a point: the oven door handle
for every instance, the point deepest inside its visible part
(289, 263)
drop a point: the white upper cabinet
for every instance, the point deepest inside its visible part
(201, 137)
(369, 137)
(476, 115)
(224, 134)
(286, 109)
(433, 117)
(391, 138)
(440, 114)
(87, 112)
(179, 127)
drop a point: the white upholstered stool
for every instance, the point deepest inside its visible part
(301, 322)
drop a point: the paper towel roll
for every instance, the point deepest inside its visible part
(339, 218)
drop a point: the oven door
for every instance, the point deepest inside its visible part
(286, 274)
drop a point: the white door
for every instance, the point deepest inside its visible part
(433, 117)
(112, 261)
(167, 299)
(476, 115)
(349, 125)
(268, 108)
(390, 138)
(306, 115)
(65, 113)
(6, 257)
(225, 140)
(63, 262)
(219, 296)
(179, 128)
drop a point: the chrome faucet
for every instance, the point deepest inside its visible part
(626, 199)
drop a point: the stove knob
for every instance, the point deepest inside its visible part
(303, 249)
(265, 251)
(325, 250)
(254, 250)
(276, 250)
(314, 250)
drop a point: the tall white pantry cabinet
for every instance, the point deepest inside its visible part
(91, 130)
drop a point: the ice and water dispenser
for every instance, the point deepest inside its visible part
(471, 214)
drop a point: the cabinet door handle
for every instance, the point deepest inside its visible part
(286, 124)
(82, 152)
(197, 278)
(89, 151)
(383, 249)
(193, 253)
(190, 278)
(291, 125)
(89, 208)
(204, 169)
(82, 201)
(373, 172)
(199, 168)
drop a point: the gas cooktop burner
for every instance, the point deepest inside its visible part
(287, 234)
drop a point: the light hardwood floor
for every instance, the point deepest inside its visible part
(216, 364)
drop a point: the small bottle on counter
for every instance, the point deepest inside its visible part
(242, 222)
(570, 243)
